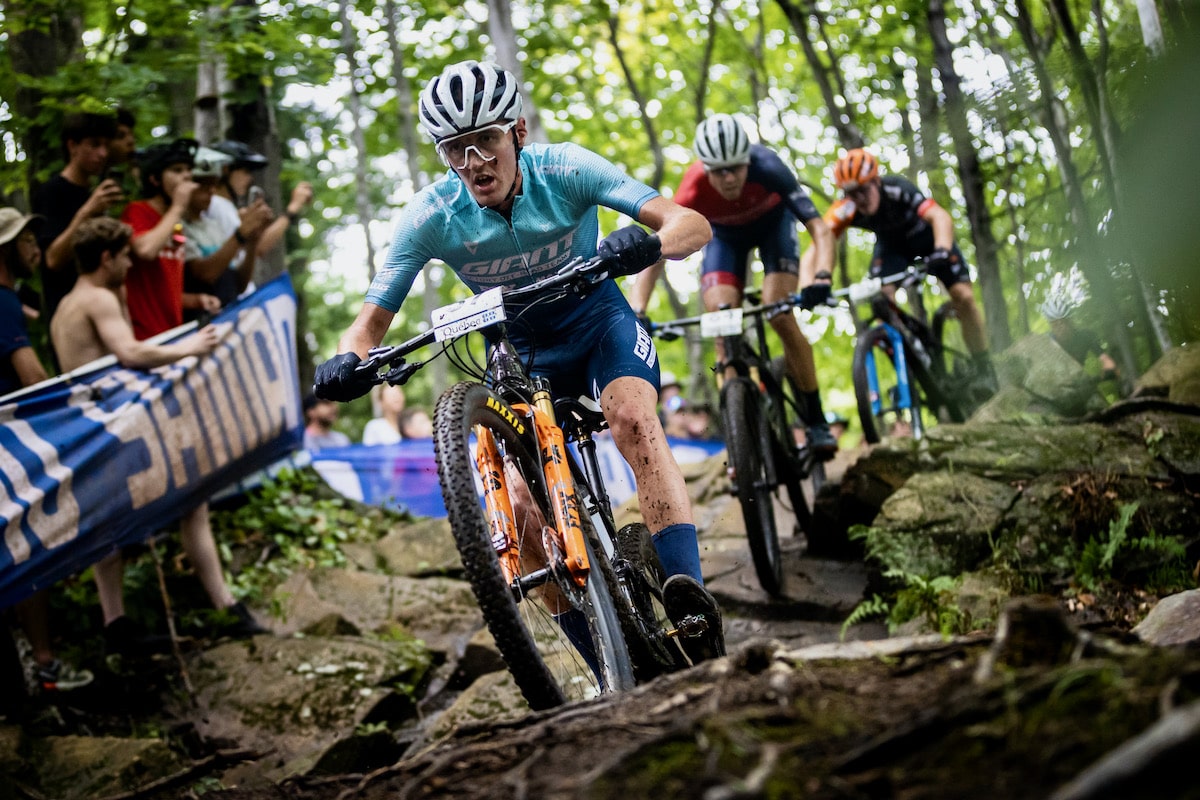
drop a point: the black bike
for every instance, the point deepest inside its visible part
(532, 520)
(901, 364)
(758, 406)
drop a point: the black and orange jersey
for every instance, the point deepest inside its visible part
(899, 222)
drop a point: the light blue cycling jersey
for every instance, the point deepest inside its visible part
(554, 219)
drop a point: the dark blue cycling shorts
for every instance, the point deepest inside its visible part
(887, 261)
(727, 256)
(586, 352)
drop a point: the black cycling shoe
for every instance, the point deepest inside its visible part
(695, 615)
(821, 440)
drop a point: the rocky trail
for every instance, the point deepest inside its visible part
(1019, 672)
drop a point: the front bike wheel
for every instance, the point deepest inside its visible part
(747, 446)
(879, 389)
(549, 666)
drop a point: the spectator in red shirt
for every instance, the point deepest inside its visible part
(154, 287)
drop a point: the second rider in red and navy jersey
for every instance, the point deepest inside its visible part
(753, 201)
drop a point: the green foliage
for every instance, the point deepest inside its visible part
(1098, 558)
(685, 60)
(295, 527)
(912, 596)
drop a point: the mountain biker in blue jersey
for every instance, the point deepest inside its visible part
(753, 201)
(507, 213)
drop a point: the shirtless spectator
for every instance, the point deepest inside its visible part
(95, 323)
(69, 199)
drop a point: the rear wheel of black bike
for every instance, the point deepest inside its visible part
(793, 468)
(643, 575)
(748, 445)
(547, 666)
(874, 345)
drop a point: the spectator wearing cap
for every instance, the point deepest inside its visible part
(19, 256)
(235, 189)
(216, 263)
(20, 367)
(154, 286)
(69, 198)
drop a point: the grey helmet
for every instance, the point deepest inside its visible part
(721, 142)
(467, 96)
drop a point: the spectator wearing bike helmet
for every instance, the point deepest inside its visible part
(1079, 343)
(233, 193)
(507, 213)
(908, 227)
(216, 263)
(754, 201)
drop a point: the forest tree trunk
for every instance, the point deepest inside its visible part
(994, 308)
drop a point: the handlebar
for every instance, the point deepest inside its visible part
(859, 292)
(579, 275)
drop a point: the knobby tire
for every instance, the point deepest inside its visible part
(874, 427)
(747, 445)
(547, 668)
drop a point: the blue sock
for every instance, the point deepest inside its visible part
(575, 626)
(679, 551)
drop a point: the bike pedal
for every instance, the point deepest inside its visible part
(691, 626)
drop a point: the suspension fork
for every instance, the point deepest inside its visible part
(560, 484)
(900, 360)
(497, 503)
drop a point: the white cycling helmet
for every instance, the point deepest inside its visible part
(721, 142)
(467, 96)
(209, 163)
(1057, 306)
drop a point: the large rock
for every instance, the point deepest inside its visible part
(295, 696)
(1175, 376)
(424, 547)
(940, 523)
(70, 767)
(1175, 620)
(440, 611)
(1040, 379)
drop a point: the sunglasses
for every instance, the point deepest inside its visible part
(487, 143)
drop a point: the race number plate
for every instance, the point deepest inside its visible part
(721, 323)
(478, 311)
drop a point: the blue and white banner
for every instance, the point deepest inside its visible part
(106, 456)
(404, 476)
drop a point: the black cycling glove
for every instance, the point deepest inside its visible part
(631, 249)
(644, 320)
(939, 259)
(337, 380)
(815, 294)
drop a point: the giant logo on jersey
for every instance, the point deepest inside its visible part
(522, 267)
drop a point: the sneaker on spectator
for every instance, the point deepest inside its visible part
(59, 676)
(695, 614)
